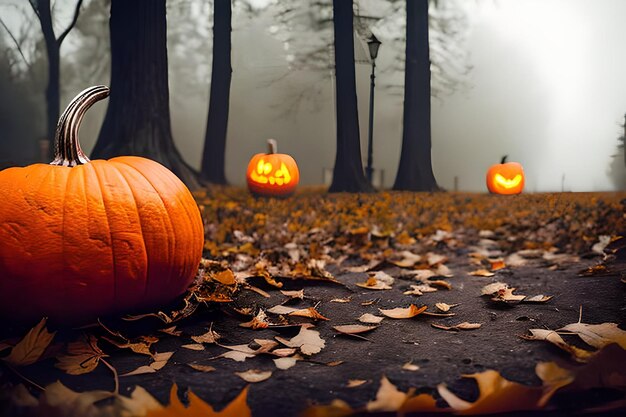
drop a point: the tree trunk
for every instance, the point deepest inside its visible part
(415, 172)
(137, 121)
(214, 154)
(53, 94)
(348, 171)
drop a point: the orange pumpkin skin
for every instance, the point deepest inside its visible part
(272, 174)
(505, 178)
(85, 241)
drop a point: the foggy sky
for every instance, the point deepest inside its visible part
(547, 88)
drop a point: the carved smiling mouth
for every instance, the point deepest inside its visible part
(261, 174)
(507, 183)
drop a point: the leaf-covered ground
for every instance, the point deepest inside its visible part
(374, 303)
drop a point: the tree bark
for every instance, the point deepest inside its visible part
(137, 120)
(214, 154)
(415, 172)
(348, 173)
(53, 94)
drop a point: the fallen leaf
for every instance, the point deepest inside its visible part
(258, 322)
(553, 337)
(83, 356)
(409, 259)
(481, 273)
(388, 398)
(597, 335)
(353, 383)
(506, 295)
(209, 337)
(496, 395)
(193, 346)
(403, 313)
(419, 289)
(443, 307)
(254, 375)
(171, 331)
(538, 299)
(160, 360)
(410, 366)
(286, 363)
(197, 407)
(461, 326)
(309, 313)
(28, 350)
(354, 329)
(373, 284)
(294, 294)
(201, 368)
(493, 288)
(496, 264)
(370, 318)
(308, 341)
(340, 300)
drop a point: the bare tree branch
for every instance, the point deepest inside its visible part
(33, 4)
(72, 23)
(17, 44)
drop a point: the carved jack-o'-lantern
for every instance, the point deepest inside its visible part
(505, 177)
(272, 174)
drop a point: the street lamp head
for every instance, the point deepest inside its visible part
(373, 44)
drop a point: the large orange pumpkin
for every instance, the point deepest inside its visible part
(81, 239)
(272, 174)
(505, 178)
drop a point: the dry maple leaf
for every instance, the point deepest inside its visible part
(83, 356)
(258, 322)
(197, 407)
(496, 395)
(597, 335)
(28, 350)
(209, 337)
(308, 341)
(403, 313)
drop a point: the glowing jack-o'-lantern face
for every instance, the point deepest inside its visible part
(505, 178)
(272, 174)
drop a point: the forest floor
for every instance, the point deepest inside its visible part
(275, 323)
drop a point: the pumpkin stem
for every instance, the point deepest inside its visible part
(272, 146)
(67, 151)
(503, 160)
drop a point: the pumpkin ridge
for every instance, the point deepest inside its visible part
(106, 210)
(185, 200)
(169, 219)
(64, 219)
(141, 226)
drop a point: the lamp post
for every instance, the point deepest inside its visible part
(373, 44)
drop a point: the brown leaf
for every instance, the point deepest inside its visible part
(403, 313)
(370, 318)
(83, 356)
(354, 329)
(373, 284)
(28, 350)
(598, 335)
(496, 395)
(160, 360)
(209, 337)
(353, 383)
(308, 341)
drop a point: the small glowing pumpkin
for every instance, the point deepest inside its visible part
(505, 178)
(81, 239)
(272, 174)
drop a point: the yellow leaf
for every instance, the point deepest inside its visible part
(31, 347)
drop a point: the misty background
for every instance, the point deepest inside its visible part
(539, 80)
